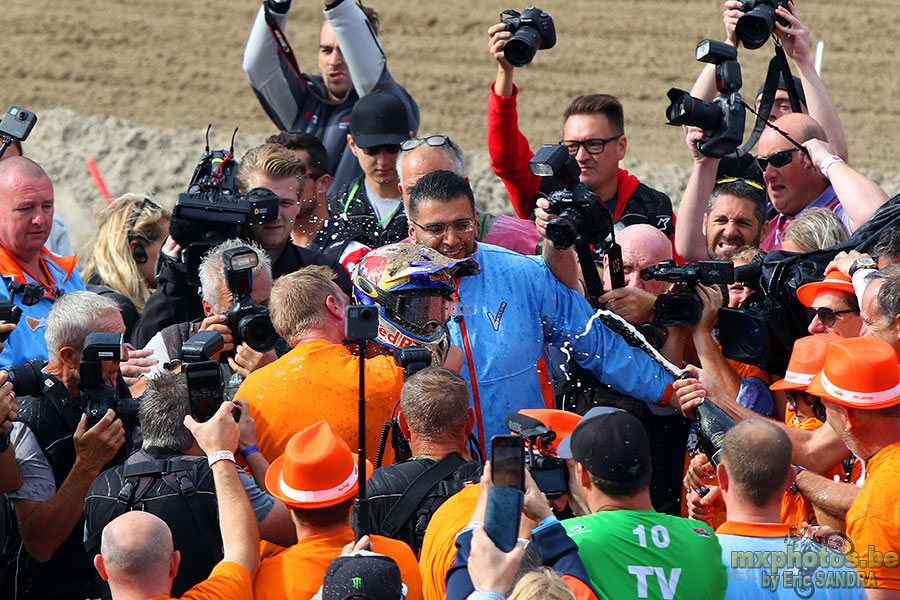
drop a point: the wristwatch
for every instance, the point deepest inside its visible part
(794, 489)
(863, 262)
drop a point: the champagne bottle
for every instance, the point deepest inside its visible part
(712, 425)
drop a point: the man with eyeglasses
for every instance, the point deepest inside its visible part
(594, 133)
(372, 204)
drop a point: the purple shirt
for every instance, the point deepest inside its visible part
(827, 199)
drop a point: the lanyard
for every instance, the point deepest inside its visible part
(384, 220)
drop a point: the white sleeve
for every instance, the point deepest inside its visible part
(38, 482)
(359, 45)
(262, 65)
(158, 346)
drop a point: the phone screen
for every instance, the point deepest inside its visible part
(508, 461)
(204, 383)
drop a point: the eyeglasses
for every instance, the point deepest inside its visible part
(749, 182)
(780, 159)
(431, 140)
(389, 148)
(826, 315)
(794, 397)
(593, 145)
(439, 229)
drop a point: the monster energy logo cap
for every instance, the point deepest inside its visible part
(363, 574)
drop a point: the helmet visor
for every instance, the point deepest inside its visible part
(425, 312)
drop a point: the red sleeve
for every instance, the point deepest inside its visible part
(510, 152)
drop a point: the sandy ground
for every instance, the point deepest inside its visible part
(139, 81)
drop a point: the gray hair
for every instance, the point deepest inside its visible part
(162, 410)
(816, 229)
(212, 270)
(435, 402)
(72, 318)
(451, 151)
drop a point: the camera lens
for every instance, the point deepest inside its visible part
(258, 332)
(687, 110)
(25, 378)
(563, 230)
(522, 46)
(754, 27)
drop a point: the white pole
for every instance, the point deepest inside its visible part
(820, 49)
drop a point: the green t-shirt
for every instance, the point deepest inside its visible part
(646, 554)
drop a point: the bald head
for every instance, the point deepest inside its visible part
(414, 164)
(642, 245)
(136, 545)
(19, 167)
(757, 457)
(799, 126)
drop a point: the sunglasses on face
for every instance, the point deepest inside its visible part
(826, 315)
(439, 229)
(431, 140)
(779, 159)
(593, 145)
(375, 150)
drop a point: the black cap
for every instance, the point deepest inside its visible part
(364, 574)
(798, 85)
(379, 118)
(611, 446)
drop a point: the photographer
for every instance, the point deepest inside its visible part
(352, 64)
(594, 132)
(56, 564)
(269, 166)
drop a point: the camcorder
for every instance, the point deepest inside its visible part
(758, 21)
(17, 123)
(97, 396)
(532, 30)
(548, 470)
(683, 307)
(212, 211)
(724, 117)
(249, 322)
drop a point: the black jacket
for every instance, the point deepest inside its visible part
(350, 209)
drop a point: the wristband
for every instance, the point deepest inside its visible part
(220, 455)
(249, 451)
(828, 162)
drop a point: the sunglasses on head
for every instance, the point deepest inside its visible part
(431, 140)
(825, 314)
(749, 182)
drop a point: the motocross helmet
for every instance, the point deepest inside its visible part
(414, 288)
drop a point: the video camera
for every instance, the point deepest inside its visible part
(758, 21)
(212, 211)
(532, 30)
(249, 322)
(17, 123)
(724, 117)
(549, 471)
(683, 307)
(96, 395)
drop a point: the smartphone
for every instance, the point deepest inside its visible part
(508, 461)
(205, 388)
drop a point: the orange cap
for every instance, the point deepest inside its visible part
(807, 360)
(834, 281)
(316, 470)
(859, 372)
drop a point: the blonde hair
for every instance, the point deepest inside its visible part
(108, 258)
(298, 301)
(816, 229)
(541, 584)
(272, 160)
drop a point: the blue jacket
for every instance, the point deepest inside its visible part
(519, 306)
(27, 339)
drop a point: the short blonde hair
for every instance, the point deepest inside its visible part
(541, 584)
(298, 300)
(816, 229)
(272, 160)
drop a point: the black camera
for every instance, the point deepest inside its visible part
(361, 323)
(97, 396)
(212, 211)
(17, 123)
(249, 322)
(9, 313)
(758, 21)
(683, 307)
(532, 30)
(724, 117)
(550, 472)
(28, 378)
(413, 359)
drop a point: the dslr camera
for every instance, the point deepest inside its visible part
(683, 307)
(249, 322)
(532, 30)
(212, 211)
(758, 21)
(724, 117)
(96, 395)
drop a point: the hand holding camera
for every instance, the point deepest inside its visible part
(97, 445)
(9, 409)
(218, 433)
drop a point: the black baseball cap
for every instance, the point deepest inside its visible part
(379, 118)
(363, 574)
(798, 85)
(610, 443)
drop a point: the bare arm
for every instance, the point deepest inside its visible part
(833, 497)
(562, 263)
(499, 35)
(690, 241)
(711, 359)
(277, 527)
(705, 86)
(10, 478)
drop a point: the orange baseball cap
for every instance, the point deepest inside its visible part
(807, 359)
(316, 470)
(859, 372)
(834, 281)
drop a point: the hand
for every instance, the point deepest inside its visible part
(364, 543)
(455, 358)
(486, 484)
(490, 568)
(171, 249)
(795, 38)
(542, 217)
(700, 472)
(4, 327)
(499, 36)
(577, 500)
(818, 533)
(219, 433)
(818, 151)
(138, 363)
(843, 261)
(692, 137)
(246, 426)
(730, 16)
(98, 445)
(711, 301)
(9, 409)
(246, 359)
(217, 323)
(632, 304)
(705, 508)
(536, 507)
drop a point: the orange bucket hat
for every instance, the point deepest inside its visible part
(807, 359)
(859, 372)
(834, 281)
(316, 470)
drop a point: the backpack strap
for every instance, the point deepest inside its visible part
(407, 504)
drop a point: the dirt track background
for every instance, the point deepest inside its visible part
(143, 79)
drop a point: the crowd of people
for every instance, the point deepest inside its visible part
(178, 424)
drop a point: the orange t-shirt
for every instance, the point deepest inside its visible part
(873, 522)
(227, 581)
(298, 571)
(439, 545)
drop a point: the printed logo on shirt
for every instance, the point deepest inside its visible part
(34, 324)
(495, 321)
(344, 124)
(702, 532)
(663, 223)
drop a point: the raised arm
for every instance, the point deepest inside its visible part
(690, 241)
(705, 86)
(359, 44)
